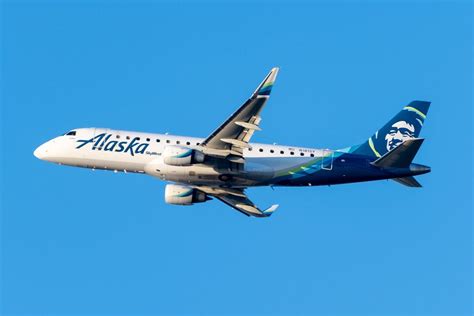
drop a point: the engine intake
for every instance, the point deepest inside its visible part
(181, 156)
(183, 195)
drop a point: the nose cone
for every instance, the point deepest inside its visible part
(41, 152)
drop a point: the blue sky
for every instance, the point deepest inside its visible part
(74, 241)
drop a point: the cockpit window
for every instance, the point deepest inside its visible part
(71, 133)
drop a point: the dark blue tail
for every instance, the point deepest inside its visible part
(405, 125)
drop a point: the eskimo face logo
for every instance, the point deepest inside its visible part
(399, 132)
(101, 142)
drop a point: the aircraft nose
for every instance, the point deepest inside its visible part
(40, 152)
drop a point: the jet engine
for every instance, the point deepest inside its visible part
(181, 156)
(183, 195)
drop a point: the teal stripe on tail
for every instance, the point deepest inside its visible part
(405, 125)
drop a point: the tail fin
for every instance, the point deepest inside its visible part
(405, 125)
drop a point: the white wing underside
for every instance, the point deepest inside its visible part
(237, 199)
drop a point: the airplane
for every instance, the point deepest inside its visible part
(225, 164)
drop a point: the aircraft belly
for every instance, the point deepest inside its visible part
(257, 170)
(193, 174)
(106, 164)
(232, 175)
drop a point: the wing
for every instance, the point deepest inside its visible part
(229, 139)
(237, 199)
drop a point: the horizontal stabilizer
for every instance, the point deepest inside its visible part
(401, 156)
(408, 181)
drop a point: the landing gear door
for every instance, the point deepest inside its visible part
(328, 157)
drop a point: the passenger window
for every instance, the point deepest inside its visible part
(301, 154)
(188, 143)
(260, 150)
(282, 152)
(312, 155)
(128, 137)
(167, 141)
(117, 136)
(272, 151)
(292, 153)
(178, 142)
(137, 138)
(157, 140)
(147, 139)
(197, 144)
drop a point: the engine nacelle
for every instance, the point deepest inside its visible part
(181, 156)
(183, 195)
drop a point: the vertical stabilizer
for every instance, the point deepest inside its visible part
(405, 125)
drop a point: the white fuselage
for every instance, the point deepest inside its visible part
(125, 151)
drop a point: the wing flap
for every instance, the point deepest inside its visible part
(235, 142)
(249, 126)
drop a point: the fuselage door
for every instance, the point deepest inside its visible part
(97, 131)
(87, 152)
(328, 157)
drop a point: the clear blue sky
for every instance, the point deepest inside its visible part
(78, 242)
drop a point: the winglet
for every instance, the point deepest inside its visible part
(265, 87)
(269, 211)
